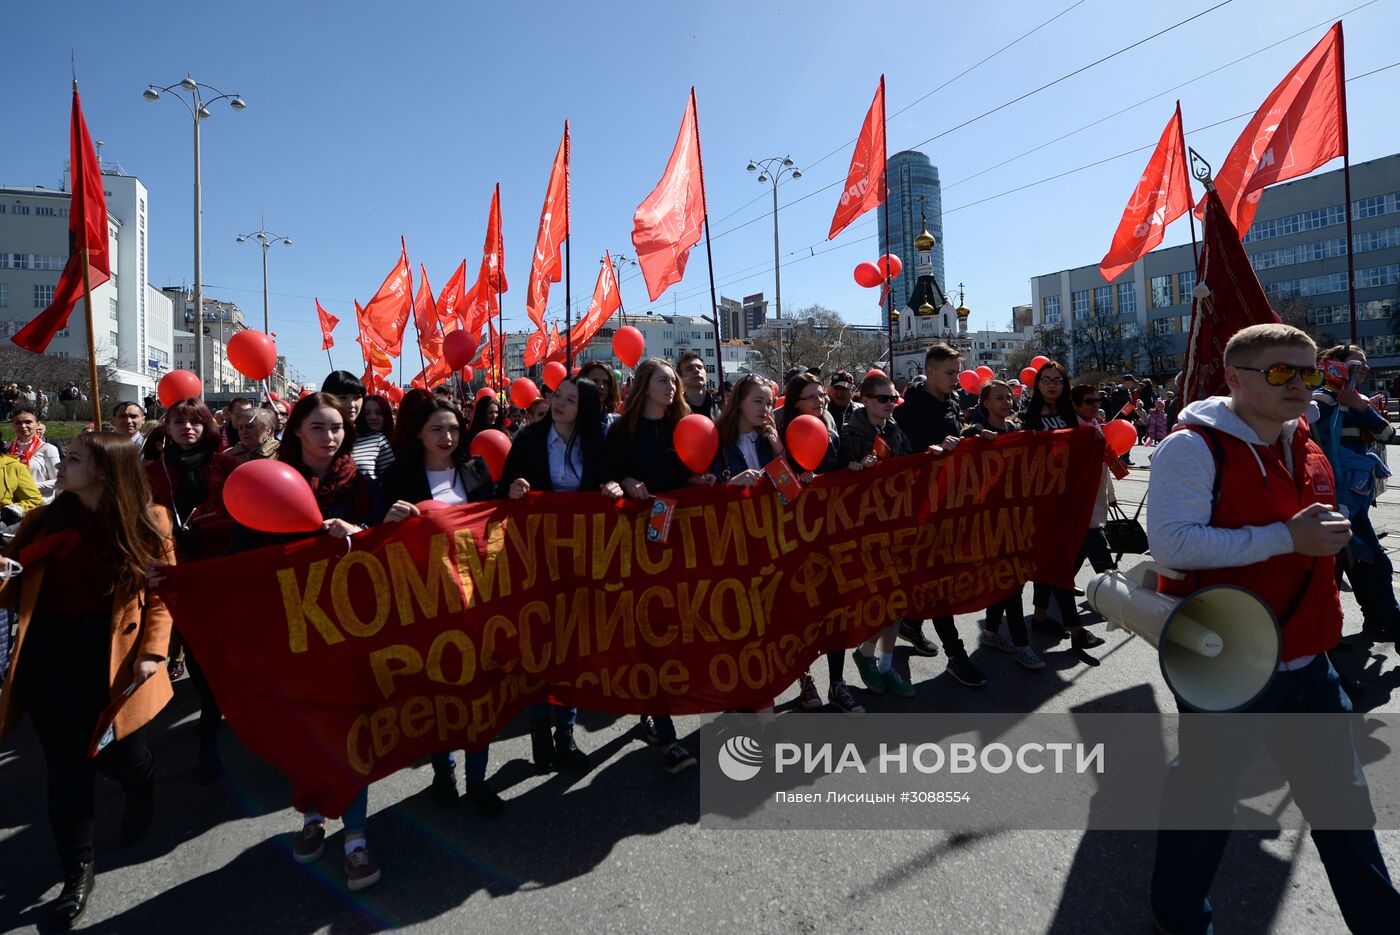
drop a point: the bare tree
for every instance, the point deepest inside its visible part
(1152, 348)
(1298, 313)
(1096, 343)
(817, 337)
(51, 373)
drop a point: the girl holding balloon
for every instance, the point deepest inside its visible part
(432, 464)
(1048, 409)
(642, 460)
(748, 438)
(562, 452)
(319, 444)
(804, 397)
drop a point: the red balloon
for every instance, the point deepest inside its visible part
(271, 496)
(1028, 376)
(523, 392)
(697, 442)
(628, 344)
(273, 396)
(485, 391)
(970, 381)
(177, 385)
(304, 393)
(875, 372)
(459, 347)
(778, 403)
(868, 275)
(1121, 436)
(395, 393)
(427, 506)
(986, 373)
(1039, 361)
(252, 354)
(890, 265)
(554, 374)
(468, 374)
(492, 446)
(807, 439)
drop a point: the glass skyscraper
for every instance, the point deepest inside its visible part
(914, 192)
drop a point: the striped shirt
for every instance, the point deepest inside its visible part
(372, 454)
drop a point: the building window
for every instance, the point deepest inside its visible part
(1163, 326)
(1129, 329)
(159, 356)
(1103, 302)
(19, 261)
(19, 209)
(43, 295)
(1127, 298)
(1080, 300)
(1161, 287)
(1050, 308)
(42, 211)
(1378, 276)
(4, 295)
(112, 309)
(1374, 207)
(1185, 282)
(47, 261)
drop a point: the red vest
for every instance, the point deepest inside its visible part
(1249, 499)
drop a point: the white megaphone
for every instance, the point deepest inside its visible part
(1218, 647)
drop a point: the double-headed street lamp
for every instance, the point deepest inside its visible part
(264, 239)
(198, 106)
(772, 170)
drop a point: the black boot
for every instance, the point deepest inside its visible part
(541, 747)
(140, 810)
(72, 902)
(566, 752)
(912, 632)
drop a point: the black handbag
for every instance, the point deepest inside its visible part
(1124, 533)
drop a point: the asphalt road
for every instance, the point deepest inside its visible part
(619, 850)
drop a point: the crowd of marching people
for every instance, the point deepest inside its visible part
(138, 495)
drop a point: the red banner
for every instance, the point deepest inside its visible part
(453, 300)
(340, 667)
(425, 318)
(865, 180)
(386, 314)
(1163, 194)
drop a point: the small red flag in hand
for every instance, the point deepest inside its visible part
(865, 182)
(669, 221)
(1163, 194)
(1300, 125)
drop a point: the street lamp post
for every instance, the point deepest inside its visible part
(772, 170)
(265, 239)
(198, 106)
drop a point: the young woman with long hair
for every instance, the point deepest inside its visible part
(562, 452)
(398, 438)
(91, 631)
(748, 437)
(319, 442)
(433, 464)
(993, 414)
(642, 460)
(186, 471)
(1051, 407)
(606, 382)
(805, 396)
(488, 414)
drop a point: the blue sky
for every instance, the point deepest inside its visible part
(368, 120)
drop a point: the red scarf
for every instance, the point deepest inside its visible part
(27, 452)
(339, 482)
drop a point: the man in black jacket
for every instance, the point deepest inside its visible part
(695, 383)
(930, 417)
(841, 405)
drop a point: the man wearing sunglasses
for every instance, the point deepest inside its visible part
(1240, 494)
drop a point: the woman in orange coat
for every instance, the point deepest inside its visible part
(91, 635)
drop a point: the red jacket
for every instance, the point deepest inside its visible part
(1249, 499)
(210, 522)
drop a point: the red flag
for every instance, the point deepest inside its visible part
(1301, 125)
(535, 346)
(865, 182)
(493, 254)
(547, 265)
(433, 374)
(555, 343)
(1163, 194)
(328, 323)
(425, 318)
(669, 221)
(482, 303)
(606, 300)
(376, 357)
(453, 300)
(87, 230)
(387, 313)
(1227, 298)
